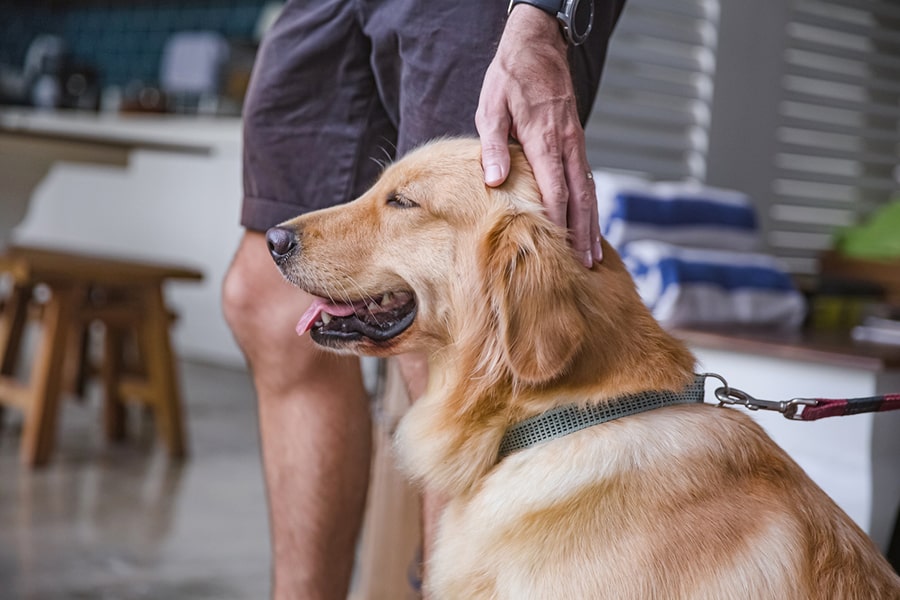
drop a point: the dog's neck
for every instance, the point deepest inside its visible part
(457, 426)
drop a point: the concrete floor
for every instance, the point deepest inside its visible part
(123, 522)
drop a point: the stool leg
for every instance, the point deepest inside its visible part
(12, 325)
(46, 378)
(78, 360)
(113, 409)
(160, 362)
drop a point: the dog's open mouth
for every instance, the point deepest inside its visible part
(378, 318)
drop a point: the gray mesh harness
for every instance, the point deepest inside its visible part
(564, 420)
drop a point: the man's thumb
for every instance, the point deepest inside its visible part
(494, 160)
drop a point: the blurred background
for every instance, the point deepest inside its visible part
(120, 140)
(154, 56)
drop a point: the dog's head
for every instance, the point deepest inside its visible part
(430, 257)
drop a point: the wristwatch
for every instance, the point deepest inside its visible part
(575, 16)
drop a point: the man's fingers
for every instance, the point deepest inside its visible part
(596, 246)
(551, 181)
(583, 224)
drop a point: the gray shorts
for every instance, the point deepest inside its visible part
(341, 87)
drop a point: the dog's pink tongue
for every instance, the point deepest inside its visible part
(319, 306)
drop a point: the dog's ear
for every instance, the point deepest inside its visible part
(531, 280)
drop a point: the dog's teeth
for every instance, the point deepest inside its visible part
(372, 307)
(387, 298)
(326, 318)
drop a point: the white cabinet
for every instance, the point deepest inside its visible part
(855, 459)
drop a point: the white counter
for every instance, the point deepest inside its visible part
(32, 141)
(170, 132)
(157, 187)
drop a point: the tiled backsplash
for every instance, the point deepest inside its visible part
(122, 39)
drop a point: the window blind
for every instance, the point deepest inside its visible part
(836, 143)
(653, 111)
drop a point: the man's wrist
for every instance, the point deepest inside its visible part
(535, 23)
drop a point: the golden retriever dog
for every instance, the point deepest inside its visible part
(688, 501)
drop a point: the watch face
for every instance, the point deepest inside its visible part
(582, 19)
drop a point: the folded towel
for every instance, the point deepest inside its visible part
(684, 213)
(693, 286)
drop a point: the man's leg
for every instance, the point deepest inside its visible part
(314, 425)
(414, 368)
(312, 117)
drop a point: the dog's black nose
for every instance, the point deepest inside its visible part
(281, 242)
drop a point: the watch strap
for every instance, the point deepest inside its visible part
(551, 7)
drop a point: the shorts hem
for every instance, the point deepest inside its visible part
(259, 214)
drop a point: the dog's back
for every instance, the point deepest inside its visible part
(682, 502)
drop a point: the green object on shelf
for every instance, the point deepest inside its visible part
(878, 238)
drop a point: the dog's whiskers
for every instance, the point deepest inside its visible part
(338, 281)
(369, 300)
(388, 157)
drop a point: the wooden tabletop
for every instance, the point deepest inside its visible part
(831, 348)
(39, 264)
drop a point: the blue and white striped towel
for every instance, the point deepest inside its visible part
(684, 213)
(692, 286)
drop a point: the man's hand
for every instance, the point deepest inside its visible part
(528, 94)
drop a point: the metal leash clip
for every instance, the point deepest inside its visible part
(727, 395)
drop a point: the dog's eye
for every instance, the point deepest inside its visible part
(398, 201)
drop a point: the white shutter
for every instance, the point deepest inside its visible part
(653, 111)
(805, 117)
(836, 143)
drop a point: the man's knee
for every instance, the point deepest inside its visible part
(257, 304)
(240, 304)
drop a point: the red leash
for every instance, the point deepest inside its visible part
(806, 409)
(851, 406)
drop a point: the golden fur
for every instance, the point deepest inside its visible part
(682, 502)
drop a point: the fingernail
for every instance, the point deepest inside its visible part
(598, 251)
(587, 259)
(492, 174)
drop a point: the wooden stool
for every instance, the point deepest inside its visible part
(127, 297)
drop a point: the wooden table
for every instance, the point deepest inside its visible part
(130, 302)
